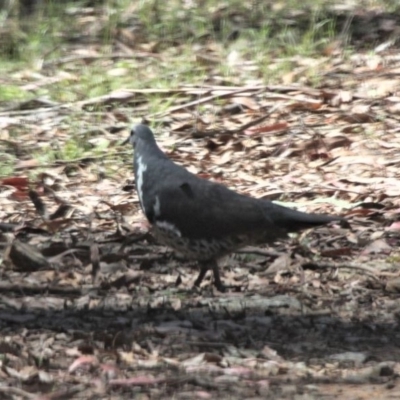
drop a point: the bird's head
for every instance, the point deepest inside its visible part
(140, 133)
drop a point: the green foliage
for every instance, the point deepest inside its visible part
(269, 37)
(12, 93)
(7, 162)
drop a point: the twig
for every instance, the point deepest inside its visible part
(256, 121)
(34, 111)
(77, 160)
(205, 100)
(39, 289)
(115, 56)
(215, 345)
(66, 394)
(56, 259)
(370, 271)
(257, 251)
(17, 392)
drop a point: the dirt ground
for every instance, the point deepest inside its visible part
(91, 307)
(304, 333)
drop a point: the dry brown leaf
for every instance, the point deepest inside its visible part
(280, 264)
(377, 246)
(248, 102)
(279, 126)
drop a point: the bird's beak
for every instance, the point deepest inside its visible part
(126, 141)
(129, 139)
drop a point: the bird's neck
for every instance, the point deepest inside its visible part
(149, 150)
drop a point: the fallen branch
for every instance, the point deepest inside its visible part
(88, 57)
(370, 271)
(27, 289)
(18, 392)
(194, 103)
(256, 121)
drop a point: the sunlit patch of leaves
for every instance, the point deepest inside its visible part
(12, 93)
(71, 149)
(7, 162)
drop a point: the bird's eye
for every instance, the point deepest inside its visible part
(132, 138)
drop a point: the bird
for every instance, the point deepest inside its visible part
(203, 220)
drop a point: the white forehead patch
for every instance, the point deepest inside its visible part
(157, 207)
(141, 168)
(167, 226)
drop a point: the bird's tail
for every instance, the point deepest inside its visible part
(294, 220)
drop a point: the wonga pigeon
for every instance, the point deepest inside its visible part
(203, 220)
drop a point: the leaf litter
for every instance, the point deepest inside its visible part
(91, 306)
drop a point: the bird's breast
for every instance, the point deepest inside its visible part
(195, 249)
(141, 168)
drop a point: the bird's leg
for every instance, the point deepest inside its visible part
(217, 280)
(204, 267)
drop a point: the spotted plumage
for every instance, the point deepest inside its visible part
(203, 220)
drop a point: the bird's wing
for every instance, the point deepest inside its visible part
(200, 209)
(203, 209)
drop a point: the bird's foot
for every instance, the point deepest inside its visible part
(204, 267)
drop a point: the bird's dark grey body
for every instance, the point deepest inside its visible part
(200, 219)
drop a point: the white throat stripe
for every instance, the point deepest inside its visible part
(141, 168)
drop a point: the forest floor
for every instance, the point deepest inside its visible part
(280, 103)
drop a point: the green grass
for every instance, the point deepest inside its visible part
(10, 93)
(7, 163)
(268, 41)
